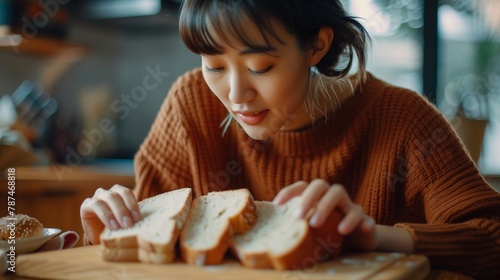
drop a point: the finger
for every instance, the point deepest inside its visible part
(352, 219)
(99, 191)
(93, 230)
(289, 192)
(93, 207)
(311, 195)
(368, 224)
(327, 204)
(117, 205)
(129, 200)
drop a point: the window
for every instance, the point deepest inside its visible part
(396, 30)
(466, 73)
(469, 72)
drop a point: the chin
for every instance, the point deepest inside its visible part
(259, 133)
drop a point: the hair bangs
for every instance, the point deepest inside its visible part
(206, 26)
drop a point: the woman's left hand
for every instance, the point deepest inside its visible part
(323, 198)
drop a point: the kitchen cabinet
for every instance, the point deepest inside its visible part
(53, 194)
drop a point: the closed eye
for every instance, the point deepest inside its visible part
(260, 72)
(215, 70)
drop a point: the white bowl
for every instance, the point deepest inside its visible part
(31, 244)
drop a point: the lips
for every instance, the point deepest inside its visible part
(252, 118)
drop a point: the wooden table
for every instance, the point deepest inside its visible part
(87, 263)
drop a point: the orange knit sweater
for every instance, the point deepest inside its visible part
(391, 149)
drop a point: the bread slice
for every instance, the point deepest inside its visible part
(282, 241)
(120, 254)
(213, 219)
(155, 234)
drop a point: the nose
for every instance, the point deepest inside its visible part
(240, 90)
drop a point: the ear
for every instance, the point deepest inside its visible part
(320, 45)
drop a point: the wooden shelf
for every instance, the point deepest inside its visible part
(39, 45)
(62, 54)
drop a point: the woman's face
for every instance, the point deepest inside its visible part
(264, 89)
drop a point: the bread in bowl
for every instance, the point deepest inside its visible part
(20, 226)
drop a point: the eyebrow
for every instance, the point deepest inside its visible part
(258, 49)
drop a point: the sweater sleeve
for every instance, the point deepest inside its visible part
(162, 161)
(462, 229)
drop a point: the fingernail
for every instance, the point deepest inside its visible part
(300, 213)
(342, 227)
(136, 216)
(314, 220)
(114, 224)
(370, 223)
(127, 222)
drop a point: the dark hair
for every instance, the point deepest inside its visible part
(301, 18)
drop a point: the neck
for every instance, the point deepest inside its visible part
(325, 96)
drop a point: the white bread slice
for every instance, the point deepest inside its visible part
(156, 233)
(155, 258)
(213, 219)
(282, 241)
(120, 254)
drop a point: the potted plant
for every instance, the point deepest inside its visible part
(469, 99)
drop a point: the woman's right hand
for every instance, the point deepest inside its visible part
(114, 208)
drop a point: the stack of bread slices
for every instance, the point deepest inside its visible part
(261, 234)
(153, 238)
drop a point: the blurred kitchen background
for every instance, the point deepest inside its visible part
(83, 80)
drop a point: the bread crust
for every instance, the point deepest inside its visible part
(119, 254)
(311, 250)
(210, 256)
(155, 258)
(237, 223)
(254, 260)
(24, 226)
(129, 241)
(298, 257)
(244, 220)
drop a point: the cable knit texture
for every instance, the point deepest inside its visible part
(391, 149)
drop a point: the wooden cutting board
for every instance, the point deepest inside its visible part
(87, 263)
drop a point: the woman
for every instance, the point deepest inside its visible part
(296, 123)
